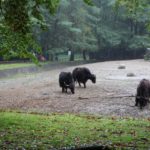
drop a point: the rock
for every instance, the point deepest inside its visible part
(130, 74)
(121, 66)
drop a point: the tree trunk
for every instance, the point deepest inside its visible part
(136, 28)
(51, 57)
(131, 26)
(84, 55)
(72, 56)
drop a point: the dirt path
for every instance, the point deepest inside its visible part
(41, 92)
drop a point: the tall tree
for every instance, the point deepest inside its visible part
(17, 20)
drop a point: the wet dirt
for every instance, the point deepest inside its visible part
(112, 95)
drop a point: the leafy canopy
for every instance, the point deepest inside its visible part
(17, 19)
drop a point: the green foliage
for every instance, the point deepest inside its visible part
(69, 27)
(17, 20)
(82, 28)
(73, 26)
(57, 131)
(89, 2)
(66, 23)
(135, 8)
(17, 45)
(138, 42)
(109, 37)
(18, 15)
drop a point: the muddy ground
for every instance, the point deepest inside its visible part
(111, 95)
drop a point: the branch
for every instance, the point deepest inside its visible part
(120, 96)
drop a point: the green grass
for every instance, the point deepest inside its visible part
(31, 131)
(15, 65)
(19, 65)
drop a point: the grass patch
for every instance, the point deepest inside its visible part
(15, 65)
(30, 131)
(19, 65)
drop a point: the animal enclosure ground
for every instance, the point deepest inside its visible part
(111, 95)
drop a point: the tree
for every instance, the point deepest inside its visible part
(115, 29)
(17, 19)
(97, 30)
(69, 29)
(134, 10)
